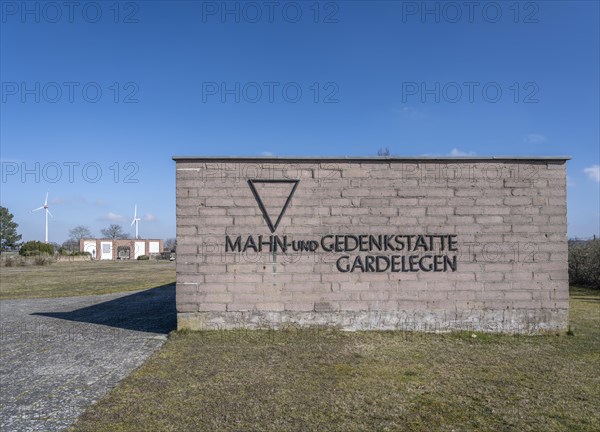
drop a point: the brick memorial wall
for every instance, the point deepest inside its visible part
(432, 244)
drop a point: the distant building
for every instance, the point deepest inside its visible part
(113, 249)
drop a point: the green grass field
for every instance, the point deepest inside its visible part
(365, 381)
(64, 279)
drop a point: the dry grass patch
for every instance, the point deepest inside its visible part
(63, 279)
(315, 380)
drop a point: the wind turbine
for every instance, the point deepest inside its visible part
(135, 221)
(47, 212)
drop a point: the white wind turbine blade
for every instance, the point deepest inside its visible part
(49, 213)
(46, 200)
(132, 222)
(135, 212)
(39, 208)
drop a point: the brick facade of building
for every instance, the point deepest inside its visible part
(373, 243)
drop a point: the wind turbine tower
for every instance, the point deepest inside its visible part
(135, 221)
(47, 212)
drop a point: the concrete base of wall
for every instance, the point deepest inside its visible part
(519, 321)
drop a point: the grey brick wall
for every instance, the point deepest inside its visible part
(508, 219)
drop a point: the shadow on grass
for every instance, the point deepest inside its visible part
(152, 310)
(587, 299)
(588, 295)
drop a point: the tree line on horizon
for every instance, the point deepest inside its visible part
(11, 240)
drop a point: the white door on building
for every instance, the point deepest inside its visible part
(106, 251)
(140, 248)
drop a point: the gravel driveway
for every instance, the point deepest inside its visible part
(58, 356)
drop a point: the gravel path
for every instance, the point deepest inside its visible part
(58, 356)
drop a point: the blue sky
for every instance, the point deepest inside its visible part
(122, 87)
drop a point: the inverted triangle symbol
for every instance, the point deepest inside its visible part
(272, 226)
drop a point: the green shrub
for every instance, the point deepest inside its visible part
(63, 252)
(143, 257)
(33, 247)
(163, 256)
(584, 263)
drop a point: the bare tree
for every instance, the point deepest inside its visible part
(79, 232)
(383, 151)
(170, 244)
(114, 231)
(71, 245)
